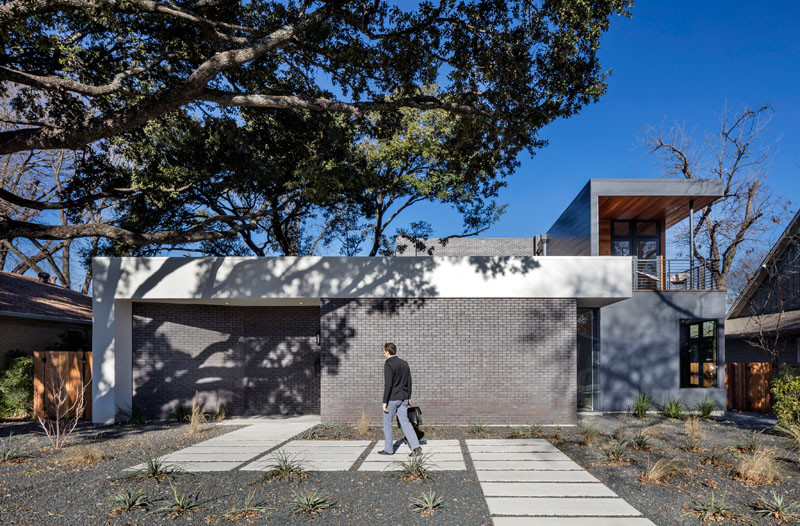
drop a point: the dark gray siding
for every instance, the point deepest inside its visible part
(640, 347)
(571, 234)
(471, 246)
(473, 360)
(739, 350)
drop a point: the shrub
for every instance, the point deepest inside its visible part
(786, 388)
(182, 413)
(10, 450)
(127, 500)
(558, 434)
(309, 502)
(476, 429)
(84, 454)
(515, 433)
(284, 466)
(182, 502)
(135, 416)
(198, 419)
(751, 443)
(673, 408)
(776, 506)
(535, 430)
(706, 407)
(758, 468)
(589, 433)
(792, 432)
(427, 502)
(694, 434)
(717, 457)
(617, 452)
(663, 470)
(219, 416)
(363, 424)
(154, 467)
(641, 405)
(16, 388)
(415, 468)
(641, 440)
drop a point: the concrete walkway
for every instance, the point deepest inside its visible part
(531, 482)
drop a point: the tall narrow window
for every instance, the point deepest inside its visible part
(698, 367)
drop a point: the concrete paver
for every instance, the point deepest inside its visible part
(315, 455)
(545, 489)
(566, 506)
(534, 465)
(572, 521)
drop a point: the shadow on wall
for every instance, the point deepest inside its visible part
(254, 360)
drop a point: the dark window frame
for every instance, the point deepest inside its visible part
(708, 378)
(634, 237)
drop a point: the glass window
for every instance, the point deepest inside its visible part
(698, 360)
(621, 248)
(646, 228)
(621, 228)
(588, 358)
(648, 249)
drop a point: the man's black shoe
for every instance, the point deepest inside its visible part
(382, 452)
(416, 452)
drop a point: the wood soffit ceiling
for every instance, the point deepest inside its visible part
(672, 209)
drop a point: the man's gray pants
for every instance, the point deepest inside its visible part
(399, 407)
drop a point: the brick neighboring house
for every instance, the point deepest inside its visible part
(36, 315)
(497, 331)
(767, 312)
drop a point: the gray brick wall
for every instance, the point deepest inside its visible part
(491, 361)
(469, 246)
(255, 360)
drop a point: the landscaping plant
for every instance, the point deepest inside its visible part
(792, 432)
(716, 457)
(182, 502)
(706, 407)
(309, 502)
(198, 418)
(476, 429)
(219, 416)
(673, 408)
(182, 413)
(64, 413)
(135, 416)
(777, 507)
(427, 502)
(641, 405)
(758, 468)
(617, 452)
(515, 433)
(84, 454)
(751, 444)
(10, 450)
(786, 388)
(285, 466)
(641, 440)
(663, 470)
(535, 430)
(251, 508)
(127, 500)
(694, 434)
(416, 467)
(589, 433)
(717, 509)
(154, 467)
(16, 388)
(363, 424)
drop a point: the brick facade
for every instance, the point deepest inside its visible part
(468, 246)
(255, 360)
(488, 360)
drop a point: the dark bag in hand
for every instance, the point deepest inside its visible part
(415, 417)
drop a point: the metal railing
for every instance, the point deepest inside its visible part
(673, 274)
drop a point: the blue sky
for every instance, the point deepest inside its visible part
(672, 61)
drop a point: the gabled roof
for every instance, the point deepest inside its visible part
(24, 296)
(775, 253)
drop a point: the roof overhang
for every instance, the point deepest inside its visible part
(785, 322)
(43, 317)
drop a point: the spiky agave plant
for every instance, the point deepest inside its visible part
(427, 502)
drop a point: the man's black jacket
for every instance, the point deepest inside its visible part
(397, 380)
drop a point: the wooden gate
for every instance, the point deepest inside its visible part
(748, 386)
(67, 370)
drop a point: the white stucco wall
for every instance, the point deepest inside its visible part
(593, 281)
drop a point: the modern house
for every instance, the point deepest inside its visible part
(763, 324)
(496, 330)
(36, 315)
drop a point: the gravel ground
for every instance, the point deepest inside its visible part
(42, 489)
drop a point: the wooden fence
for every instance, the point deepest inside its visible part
(51, 369)
(748, 386)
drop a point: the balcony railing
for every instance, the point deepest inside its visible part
(673, 274)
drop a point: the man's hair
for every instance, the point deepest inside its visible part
(390, 348)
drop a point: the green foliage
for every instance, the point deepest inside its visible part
(589, 433)
(641, 440)
(135, 416)
(249, 509)
(417, 467)
(751, 443)
(427, 502)
(182, 413)
(309, 503)
(127, 500)
(16, 388)
(717, 509)
(181, 502)
(617, 452)
(154, 467)
(673, 408)
(476, 429)
(786, 388)
(284, 466)
(641, 405)
(776, 506)
(219, 416)
(706, 407)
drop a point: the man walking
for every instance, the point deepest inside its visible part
(396, 395)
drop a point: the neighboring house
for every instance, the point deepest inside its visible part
(764, 323)
(496, 330)
(36, 315)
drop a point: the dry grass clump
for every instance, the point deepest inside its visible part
(590, 434)
(663, 470)
(758, 468)
(84, 454)
(694, 434)
(198, 420)
(363, 424)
